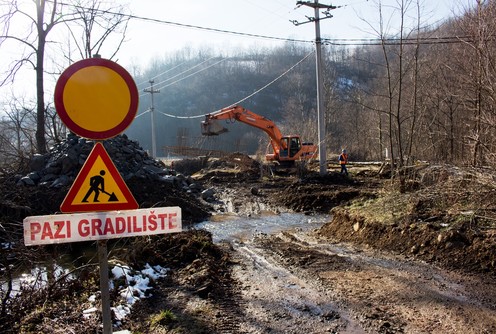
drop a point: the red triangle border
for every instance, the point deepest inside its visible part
(98, 151)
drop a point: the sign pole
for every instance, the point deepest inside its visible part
(104, 286)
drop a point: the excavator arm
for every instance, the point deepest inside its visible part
(237, 113)
(286, 149)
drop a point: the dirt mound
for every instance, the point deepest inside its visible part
(236, 165)
(318, 194)
(449, 218)
(149, 193)
(237, 161)
(18, 202)
(462, 247)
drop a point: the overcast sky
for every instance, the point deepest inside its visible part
(159, 27)
(353, 19)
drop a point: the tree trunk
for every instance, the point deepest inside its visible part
(40, 90)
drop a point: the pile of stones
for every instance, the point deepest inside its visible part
(60, 166)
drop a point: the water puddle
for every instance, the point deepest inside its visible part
(232, 228)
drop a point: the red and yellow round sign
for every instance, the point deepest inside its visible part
(96, 98)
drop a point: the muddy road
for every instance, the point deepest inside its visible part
(292, 282)
(313, 280)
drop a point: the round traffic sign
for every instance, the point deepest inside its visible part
(96, 98)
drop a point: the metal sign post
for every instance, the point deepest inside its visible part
(104, 286)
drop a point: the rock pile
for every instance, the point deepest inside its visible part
(60, 166)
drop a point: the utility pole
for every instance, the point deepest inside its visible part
(320, 81)
(152, 116)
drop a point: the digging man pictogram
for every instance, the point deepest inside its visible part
(97, 185)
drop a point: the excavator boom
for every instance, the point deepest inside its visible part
(285, 148)
(240, 114)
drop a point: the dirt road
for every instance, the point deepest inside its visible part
(308, 282)
(292, 283)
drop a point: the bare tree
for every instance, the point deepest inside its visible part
(17, 135)
(474, 62)
(95, 25)
(48, 15)
(55, 129)
(43, 21)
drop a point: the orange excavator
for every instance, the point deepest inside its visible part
(285, 149)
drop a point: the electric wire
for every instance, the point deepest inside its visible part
(186, 71)
(398, 41)
(143, 113)
(247, 97)
(332, 41)
(184, 25)
(194, 73)
(188, 76)
(161, 73)
(181, 73)
(273, 81)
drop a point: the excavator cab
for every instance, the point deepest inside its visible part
(290, 146)
(294, 146)
(283, 151)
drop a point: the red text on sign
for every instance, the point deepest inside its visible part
(101, 225)
(45, 230)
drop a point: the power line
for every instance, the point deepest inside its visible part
(162, 73)
(190, 75)
(273, 81)
(247, 97)
(184, 25)
(186, 71)
(398, 41)
(332, 41)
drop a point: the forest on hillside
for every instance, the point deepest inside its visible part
(424, 93)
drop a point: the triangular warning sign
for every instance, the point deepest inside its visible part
(98, 186)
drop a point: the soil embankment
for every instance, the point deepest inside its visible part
(417, 261)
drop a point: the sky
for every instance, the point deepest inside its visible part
(351, 20)
(159, 27)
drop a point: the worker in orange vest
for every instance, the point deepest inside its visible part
(343, 160)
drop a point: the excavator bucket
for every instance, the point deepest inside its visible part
(212, 128)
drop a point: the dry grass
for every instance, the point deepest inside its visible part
(440, 191)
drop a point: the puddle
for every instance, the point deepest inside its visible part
(232, 228)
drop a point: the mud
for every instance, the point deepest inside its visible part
(316, 287)
(415, 261)
(419, 260)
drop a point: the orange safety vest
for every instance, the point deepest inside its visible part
(343, 159)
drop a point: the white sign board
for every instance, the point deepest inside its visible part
(56, 229)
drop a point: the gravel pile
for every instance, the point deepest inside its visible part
(60, 166)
